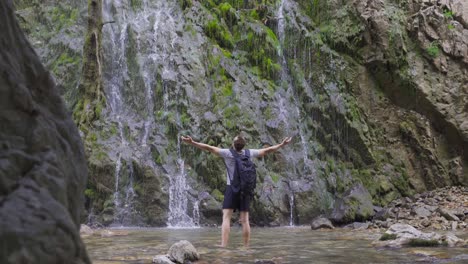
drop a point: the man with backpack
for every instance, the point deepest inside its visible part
(241, 180)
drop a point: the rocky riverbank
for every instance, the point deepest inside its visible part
(441, 209)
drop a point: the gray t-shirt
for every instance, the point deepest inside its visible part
(231, 162)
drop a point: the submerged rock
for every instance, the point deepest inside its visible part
(86, 230)
(320, 222)
(162, 259)
(358, 225)
(183, 251)
(265, 261)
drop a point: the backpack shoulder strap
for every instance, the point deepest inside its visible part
(234, 153)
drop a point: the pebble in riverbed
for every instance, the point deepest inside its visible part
(441, 209)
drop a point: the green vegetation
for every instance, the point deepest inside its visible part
(136, 4)
(433, 49)
(232, 27)
(448, 14)
(417, 242)
(275, 177)
(387, 236)
(90, 193)
(63, 17)
(217, 195)
(184, 4)
(219, 33)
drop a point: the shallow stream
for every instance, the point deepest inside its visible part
(283, 245)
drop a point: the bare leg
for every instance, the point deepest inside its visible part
(244, 216)
(226, 227)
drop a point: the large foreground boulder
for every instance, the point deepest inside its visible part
(42, 164)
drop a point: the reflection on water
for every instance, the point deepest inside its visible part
(284, 245)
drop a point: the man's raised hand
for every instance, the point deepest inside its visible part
(187, 139)
(286, 141)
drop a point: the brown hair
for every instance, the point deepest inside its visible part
(239, 143)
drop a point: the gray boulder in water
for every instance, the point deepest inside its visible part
(183, 251)
(321, 222)
(42, 164)
(162, 259)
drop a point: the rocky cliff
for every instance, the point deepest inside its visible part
(43, 169)
(374, 93)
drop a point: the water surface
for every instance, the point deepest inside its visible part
(284, 245)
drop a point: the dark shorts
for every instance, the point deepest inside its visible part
(235, 200)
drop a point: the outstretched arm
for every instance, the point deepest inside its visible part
(212, 149)
(264, 151)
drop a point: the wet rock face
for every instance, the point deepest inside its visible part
(42, 166)
(355, 205)
(382, 95)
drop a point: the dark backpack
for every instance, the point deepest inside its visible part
(245, 174)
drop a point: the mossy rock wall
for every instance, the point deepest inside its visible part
(373, 95)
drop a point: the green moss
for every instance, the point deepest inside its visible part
(63, 17)
(184, 4)
(367, 179)
(92, 137)
(416, 242)
(138, 189)
(232, 112)
(159, 160)
(401, 182)
(217, 195)
(90, 193)
(275, 177)
(433, 49)
(386, 237)
(136, 4)
(219, 33)
(98, 110)
(228, 13)
(63, 60)
(101, 155)
(226, 53)
(254, 14)
(448, 14)
(227, 90)
(113, 129)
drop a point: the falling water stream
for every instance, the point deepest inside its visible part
(155, 35)
(288, 103)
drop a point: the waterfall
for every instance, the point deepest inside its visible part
(290, 92)
(178, 198)
(124, 212)
(124, 194)
(148, 29)
(291, 208)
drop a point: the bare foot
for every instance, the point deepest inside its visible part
(244, 247)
